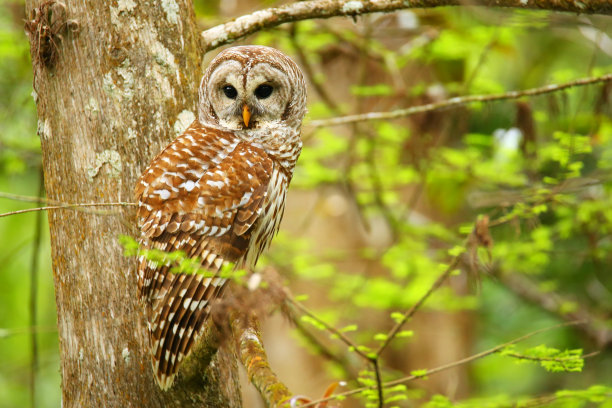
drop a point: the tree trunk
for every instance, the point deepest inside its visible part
(114, 83)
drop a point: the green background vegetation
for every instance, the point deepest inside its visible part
(423, 181)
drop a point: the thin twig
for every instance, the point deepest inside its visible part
(321, 349)
(309, 71)
(410, 312)
(305, 10)
(328, 327)
(29, 199)
(4, 333)
(445, 366)
(555, 359)
(479, 355)
(481, 60)
(456, 102)
(379, 384)
(551, 302)
(70, 207)
(377, 186)
(45, 200)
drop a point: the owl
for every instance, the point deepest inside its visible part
(217, 192)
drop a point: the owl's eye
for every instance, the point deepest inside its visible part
(230, 91)
(263, 91)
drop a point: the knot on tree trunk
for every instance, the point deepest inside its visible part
(45, 28)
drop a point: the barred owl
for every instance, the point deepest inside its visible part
(217, 192)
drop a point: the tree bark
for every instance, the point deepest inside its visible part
(114, 83)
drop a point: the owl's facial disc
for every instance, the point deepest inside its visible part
(248, 97)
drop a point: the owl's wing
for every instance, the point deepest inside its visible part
(209, 217)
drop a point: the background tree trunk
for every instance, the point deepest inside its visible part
(123, 82)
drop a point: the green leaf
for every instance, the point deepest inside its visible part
(405, 334)
(373, 90)
(380, 337)
(349, 328)
(397, 317)
(419, 373)
(456, 250)
(313, 322)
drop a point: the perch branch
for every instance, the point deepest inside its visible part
(253, 356)
(456, 102)
(305, 10)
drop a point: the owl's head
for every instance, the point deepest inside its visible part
(252, 87)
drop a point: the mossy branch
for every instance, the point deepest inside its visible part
(247, 335)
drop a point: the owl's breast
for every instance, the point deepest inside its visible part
(269, 221)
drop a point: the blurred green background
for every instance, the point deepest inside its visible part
(20, 163)
(375, 209)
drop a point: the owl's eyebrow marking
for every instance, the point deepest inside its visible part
(287, 111)
(213, 113)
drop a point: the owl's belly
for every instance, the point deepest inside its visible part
(269, 221)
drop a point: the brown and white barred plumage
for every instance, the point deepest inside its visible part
(217, 192)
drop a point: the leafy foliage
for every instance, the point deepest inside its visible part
(551, 359)
(509, 203)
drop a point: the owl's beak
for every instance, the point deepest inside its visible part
(246, 115)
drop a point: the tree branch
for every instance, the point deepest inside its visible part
(341, 360)
(263, 19)
(253, 356)
(17, 331)
(555, 359)
(410, 312)
(593, 326)
(75, 207)
(341, 336)
(444, 367)
(456, 102)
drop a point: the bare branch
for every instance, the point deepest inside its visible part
(328, 327)
(341, 360)
(551, 302)
(263, 19)
(9, 332)
(456, 102)
(76, 207)
(379, 383)
(309, 71)
(410, 312)
(29, 199)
